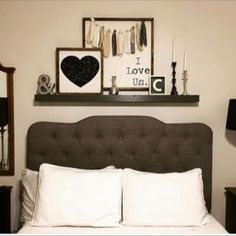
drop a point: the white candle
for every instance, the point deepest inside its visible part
(173, 50)
(185, 60)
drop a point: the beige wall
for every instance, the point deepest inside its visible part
(31, 30)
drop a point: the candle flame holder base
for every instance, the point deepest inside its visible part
(185, 79)
(174, 89)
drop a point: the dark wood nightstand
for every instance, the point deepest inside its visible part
(5, 206)
(230, 214)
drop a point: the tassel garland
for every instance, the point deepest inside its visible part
(120, 41)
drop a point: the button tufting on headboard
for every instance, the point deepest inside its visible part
(137, 142)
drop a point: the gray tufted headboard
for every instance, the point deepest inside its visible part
(138, 142)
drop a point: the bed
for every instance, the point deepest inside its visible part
(139, 144)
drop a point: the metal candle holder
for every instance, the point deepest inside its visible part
(114, 90)
(174, 89)
(185, 78)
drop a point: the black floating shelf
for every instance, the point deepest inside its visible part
(116, 99)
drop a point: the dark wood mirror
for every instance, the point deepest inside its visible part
(6, 121)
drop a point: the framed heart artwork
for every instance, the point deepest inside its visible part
(79, 70)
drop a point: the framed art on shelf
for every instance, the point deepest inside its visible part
(127, 45)
(79, 70)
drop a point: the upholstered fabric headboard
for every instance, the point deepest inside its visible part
(138, 142)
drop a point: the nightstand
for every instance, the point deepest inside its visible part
(5, 206)
(230, 214)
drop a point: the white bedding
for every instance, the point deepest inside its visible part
(213, 227)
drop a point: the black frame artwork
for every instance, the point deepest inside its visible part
(79, 71)
(132, 71)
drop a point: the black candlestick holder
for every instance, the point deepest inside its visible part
(3, 162)
(174, 89)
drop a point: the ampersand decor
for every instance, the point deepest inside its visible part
(44, 85)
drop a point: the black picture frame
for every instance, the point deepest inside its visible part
(130, 77)
(79, 71)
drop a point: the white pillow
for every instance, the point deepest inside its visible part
(69, 197)
(29, 184)
(171, 199)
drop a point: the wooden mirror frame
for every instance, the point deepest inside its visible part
(11, 159)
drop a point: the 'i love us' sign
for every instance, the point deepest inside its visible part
(127, 45)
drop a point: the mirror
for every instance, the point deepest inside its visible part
(6, 121)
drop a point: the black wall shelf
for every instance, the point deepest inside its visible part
(116, 99)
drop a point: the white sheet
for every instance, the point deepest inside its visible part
(213, 227)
